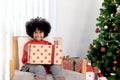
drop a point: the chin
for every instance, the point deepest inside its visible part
(38, 39)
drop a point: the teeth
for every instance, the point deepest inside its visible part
(38, 38)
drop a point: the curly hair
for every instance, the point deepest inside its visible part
(39, 23)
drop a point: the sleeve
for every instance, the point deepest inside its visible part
(25, 54)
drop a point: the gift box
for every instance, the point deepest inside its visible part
(72, 64)
(90, 75)
(101, 77)
(93, 73)
(45, 54)
(67, 64)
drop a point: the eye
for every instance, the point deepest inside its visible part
(41, 32)
(35, 32)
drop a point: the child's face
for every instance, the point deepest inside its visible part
(38, 34)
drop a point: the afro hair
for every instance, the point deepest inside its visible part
(39, 23)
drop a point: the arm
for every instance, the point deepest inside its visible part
(25, 54)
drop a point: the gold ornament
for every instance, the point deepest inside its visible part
(118, 9)
(117, 51)
(94, 46)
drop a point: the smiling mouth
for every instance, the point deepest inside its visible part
(38, 38)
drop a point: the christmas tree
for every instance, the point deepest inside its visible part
(104, 51)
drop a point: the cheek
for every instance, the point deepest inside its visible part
(42, 34)
(33, 35)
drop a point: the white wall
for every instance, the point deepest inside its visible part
(76, 23)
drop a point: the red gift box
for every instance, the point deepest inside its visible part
(73, 64)
(45, 54)
(78, 65)
(68, 64)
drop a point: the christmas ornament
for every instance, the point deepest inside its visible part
(97, 30)
(94, 46)
(118, 9)
(103, 49)
(113, 24)
(111, 15)
(114, 62)
(105, 27)
(112, 74)
(105, 21)
(103, 16)
(116, 4)
(114, 29)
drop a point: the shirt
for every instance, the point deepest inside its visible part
(25, 52)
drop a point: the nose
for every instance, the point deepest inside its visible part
(38, 34)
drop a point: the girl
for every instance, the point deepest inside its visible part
(38, 29)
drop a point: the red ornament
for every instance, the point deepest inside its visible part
(114, 62)
(97, 30)
(103, 49)
(114, 29)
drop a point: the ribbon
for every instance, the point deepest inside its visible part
(74, 63)
(53, 52)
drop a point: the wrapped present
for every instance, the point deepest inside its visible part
(45, 54)
(101, 77)
(67, 64)
(90, 75)
(93, 73)
(77, 65)
(72, 64)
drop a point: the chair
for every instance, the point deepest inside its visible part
(16, 74)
